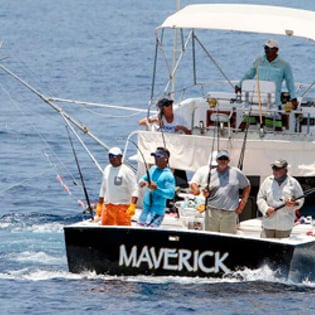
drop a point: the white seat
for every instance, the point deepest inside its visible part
(263, 92)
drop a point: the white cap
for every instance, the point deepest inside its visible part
(115, 151)
(212, 159)
(223, 153)
(272, 43)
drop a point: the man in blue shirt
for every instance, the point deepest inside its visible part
(160, 187)
(271, 67)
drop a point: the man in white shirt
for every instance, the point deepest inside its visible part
(118, 193)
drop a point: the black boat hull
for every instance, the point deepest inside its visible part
(141, 251)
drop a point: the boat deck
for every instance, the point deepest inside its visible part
(301, 233)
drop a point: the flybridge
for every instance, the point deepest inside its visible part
(244, 18)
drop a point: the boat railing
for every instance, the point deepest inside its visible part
(225, 112)
(293, 122)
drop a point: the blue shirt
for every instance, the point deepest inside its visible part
(277, 70)
(166, 189)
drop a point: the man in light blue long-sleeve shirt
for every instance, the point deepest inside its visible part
(271, 67)
(160, 183)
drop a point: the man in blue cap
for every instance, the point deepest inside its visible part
(223, 201)
(160, 186)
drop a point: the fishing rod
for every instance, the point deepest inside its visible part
(209, 171)
(81, 177)
(261, 123)
(242, 154)
(305, 194)
(145, 165)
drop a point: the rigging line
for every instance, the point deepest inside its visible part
(81, 177)
(213, 61)
(308, 89)
(42, 138)
(60, 111)
(82, 143)
(83, 128)
(2, 190)
(81, 103)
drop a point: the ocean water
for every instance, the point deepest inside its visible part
(99, 51)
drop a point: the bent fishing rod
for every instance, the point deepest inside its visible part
(143, 158)
(305, 194)
(145, 165)
(81, 177)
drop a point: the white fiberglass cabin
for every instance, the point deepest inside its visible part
(250, 126)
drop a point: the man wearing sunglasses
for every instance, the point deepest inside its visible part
(118, 193)
(271, 67)
(167, 120)
(223, 202)
(278, 189)
(160, 186)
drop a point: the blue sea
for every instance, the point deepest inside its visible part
(100, 51)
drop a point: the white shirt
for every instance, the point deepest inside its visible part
(177, 121)
(271, 194)
(119, 184)
(200, 177)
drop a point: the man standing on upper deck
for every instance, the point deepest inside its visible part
(271, 67)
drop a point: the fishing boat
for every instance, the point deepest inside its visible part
(219, 119)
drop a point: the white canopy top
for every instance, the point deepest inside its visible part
(245, 17)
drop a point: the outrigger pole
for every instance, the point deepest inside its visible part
(59, 110)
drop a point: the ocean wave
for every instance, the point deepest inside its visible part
(37, 223)
(35, 257)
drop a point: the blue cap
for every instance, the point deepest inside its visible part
(161, 152)
(223, 153)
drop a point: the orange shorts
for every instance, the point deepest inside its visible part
(115, 215)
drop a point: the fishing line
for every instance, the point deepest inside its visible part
(59, 166)
(22, 182)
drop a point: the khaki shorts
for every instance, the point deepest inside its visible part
(266, 233)
(218, 220)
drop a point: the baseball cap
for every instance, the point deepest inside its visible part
(164, 102)
(161, 152)
(280, 164)
(223, 153)
(115, 151)
(272, 43)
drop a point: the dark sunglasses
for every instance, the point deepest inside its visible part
(223, 158)
(269, 48)
(275, 168)
(113, 156)
(167, 105)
